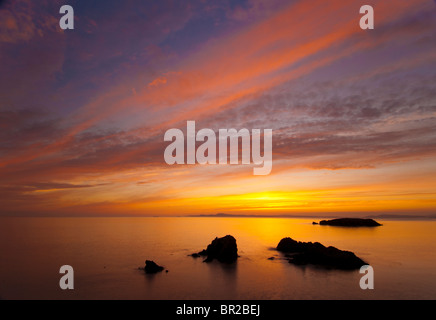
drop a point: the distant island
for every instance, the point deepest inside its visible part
(350, 222)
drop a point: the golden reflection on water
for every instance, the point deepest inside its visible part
(106, 254)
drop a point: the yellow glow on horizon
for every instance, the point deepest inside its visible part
(281, 202)
(201, 191)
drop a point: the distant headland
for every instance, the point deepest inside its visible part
(320, 216)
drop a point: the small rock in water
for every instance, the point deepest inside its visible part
(152, 267)
(223, 249)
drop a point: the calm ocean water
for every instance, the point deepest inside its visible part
(106, 253)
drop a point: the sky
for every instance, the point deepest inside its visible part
(83, 112)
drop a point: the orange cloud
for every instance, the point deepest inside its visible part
(158, 81)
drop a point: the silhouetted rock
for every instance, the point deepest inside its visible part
(302, 253)
(203, 252)
(223, 249)
(314, 222)
(198, 254)
(350, 222)
(152, 267)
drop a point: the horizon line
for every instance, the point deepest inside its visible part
(229, 215)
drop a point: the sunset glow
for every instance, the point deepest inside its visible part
(83, 112)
